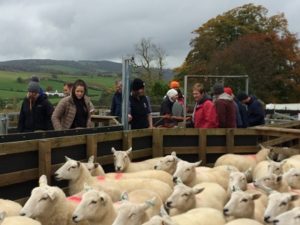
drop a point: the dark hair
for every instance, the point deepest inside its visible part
(180, 95)
(77, 83)
(69, 84)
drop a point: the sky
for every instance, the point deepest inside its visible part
(110, 29)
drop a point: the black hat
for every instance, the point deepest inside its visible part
(242, 96)
(34, 78)
(33, 87)
(137, 84)
(218, 89)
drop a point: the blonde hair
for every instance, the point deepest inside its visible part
(199, 87)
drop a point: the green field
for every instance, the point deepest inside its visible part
(13, 85)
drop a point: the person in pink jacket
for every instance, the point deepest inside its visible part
(204, 115)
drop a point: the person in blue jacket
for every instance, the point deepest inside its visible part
(255, 110)
(116, 103)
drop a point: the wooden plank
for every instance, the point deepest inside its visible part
(216, 149)
(141, 133)
(18, 177)
(181, 150)
(285, 125)
(275, 131)
(157, 140)
(127, 140)
(45, 158)
(278, 141)
(245, 131)
(219, 131)
(68, 141)
(202, 145)
(178, 131)
(14, 147)
(113, 136)
(91, 146)
(229, 140)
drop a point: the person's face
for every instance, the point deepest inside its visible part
(66, 90)
(32, 95)
(119, 87)
(79, 92)
(174, 97)
(197, 95)
(141, 92)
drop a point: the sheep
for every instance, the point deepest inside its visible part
(292, 177)
(205, 194)
(16, 220)
(292, 162)
(94, 168)
(96, 207)
(237, 181)
(162, 219)
(134, 213)
(273, 182)
(187, 173)
(77, 175)
(243, 205)
(243, 162)
(167, 163)
(152, 174)
(49, 205)
(244, 222)
(291, 217)
(279, 203)
(123, 163)
(10, 208)
(266, 167)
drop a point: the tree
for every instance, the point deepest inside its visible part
(245, 40)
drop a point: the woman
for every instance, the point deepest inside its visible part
(73, 111)
(204, 115)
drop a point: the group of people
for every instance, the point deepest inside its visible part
(73, 111)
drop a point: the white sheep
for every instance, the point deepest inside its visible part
(77, 175)
(291, 217)
(167, 163)
(243, 162)
(237, 181)
(96, 207)
(188, 174)
(244, 222)
(49, 205)
(292, 177)
(292, 162)
(123, 163)
(152, 174)
(273, 182)
(16, 220)
(242, 205)
(279, 203)
(94, 167)
(10, 208)
(266, 167)
(205, 194)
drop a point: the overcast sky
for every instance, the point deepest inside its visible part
(109, 29)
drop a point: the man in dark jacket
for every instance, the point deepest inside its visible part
(36, 111)
(256, 112)
(116, 103)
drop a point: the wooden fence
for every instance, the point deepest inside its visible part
(22, 162)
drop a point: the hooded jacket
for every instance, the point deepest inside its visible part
(256, 113)
(205, 115)
(226, 111)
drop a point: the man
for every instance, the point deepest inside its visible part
(139, 110)
(36, 110)
(225, 107)
(255, 110)
(67, 89)
(166, 108)
(116, 104)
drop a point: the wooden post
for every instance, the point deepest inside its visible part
(202, 142)
(127, 139)
(44, 148)
(91, 146)
(230, 140)
(157, 143)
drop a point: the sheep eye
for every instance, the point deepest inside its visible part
(132, 215)
(283, 204)
(188, 169)
(43, 199)
(244, 200)
(101, 199)
(185, 195)
(267, 179)
(93, 202)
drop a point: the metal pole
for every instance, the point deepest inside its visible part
(247, 85)
(125, 92)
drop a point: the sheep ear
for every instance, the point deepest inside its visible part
(67, 158)
(51, 193)
(124, 196)
(261, 146)
(173, 153)
(129, 151)
(91, 159)
(279, 178)
(197, 190)
(113, 150)
(150, 203)
(43, 181)
(294, 197)
(96, 165)
(178, 181)
(255, 196)
(196, 164)
(86, 187)
(2, 216)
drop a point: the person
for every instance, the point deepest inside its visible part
(177, 109)
(35, 78)
(204, 115)
(139, 106)
(36, 110)
(255, 110)
(67, 88)
(116, 103)
(225, 107)
(73, 111)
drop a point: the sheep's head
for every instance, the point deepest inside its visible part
(133, 213)
(237, 181)
(94, 203)
(94, 168)
(68, 171)
(291, 217)
(275, 167)
(168, 163)
(121, 159)
(292, 176)
(240, 205)
(278, 203)
(185, 171)
(271, 181)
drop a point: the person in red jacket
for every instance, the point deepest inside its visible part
(204, 115)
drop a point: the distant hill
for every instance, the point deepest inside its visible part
(81, 67)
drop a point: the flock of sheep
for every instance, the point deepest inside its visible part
(238, 190)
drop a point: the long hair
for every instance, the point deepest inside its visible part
(77, 83)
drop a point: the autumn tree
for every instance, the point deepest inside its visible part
(245, 40)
